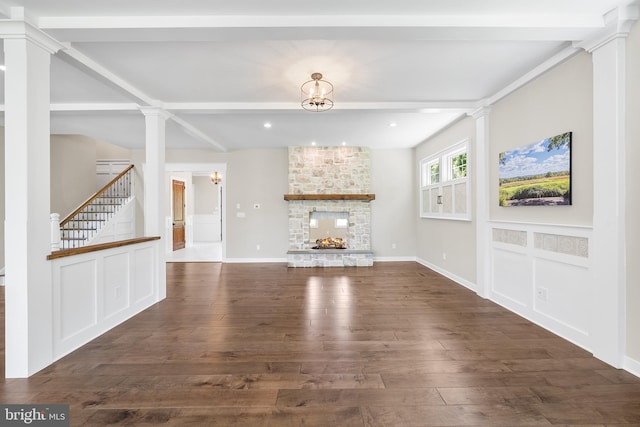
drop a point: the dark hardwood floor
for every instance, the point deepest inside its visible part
(391, 345)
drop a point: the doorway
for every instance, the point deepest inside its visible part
(178, 217)
(204, 214)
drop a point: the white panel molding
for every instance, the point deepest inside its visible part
(504, 260)
(547, 299)
(206, 228)
(108, 300)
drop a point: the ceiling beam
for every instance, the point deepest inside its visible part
(142, 99)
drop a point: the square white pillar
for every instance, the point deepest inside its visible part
(607, 248)
(154, 186)
(28, 294)
(482, 194)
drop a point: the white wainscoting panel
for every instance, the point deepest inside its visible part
(562, 300)
(206, 228)
(95, 291)
(76, 298)
(542, 272)
(116, 284)
(511, 279)
(144, 270)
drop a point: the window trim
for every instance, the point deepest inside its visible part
(445, 160)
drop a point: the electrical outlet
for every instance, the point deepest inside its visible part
(444, 256)
(258, 247)
(542, 293)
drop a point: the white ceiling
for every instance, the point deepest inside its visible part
(222, 69)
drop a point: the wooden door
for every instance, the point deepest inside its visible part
(178, 215)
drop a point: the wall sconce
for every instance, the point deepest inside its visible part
(216, 177)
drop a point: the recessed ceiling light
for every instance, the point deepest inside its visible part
(393, 124)
(267, 125)
(344, 143)
(2, 68)
(313, 143)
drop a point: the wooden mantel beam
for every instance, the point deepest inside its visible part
(363, 197)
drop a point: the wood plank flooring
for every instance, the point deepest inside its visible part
(267, 345)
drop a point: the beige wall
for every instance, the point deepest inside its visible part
(557, 102)
(73, 172)
(261, 176)
(252, 176)
(205, 196)
(257, 176)
(633, 193)
(456, 239)
(394, 210)
(106, 151)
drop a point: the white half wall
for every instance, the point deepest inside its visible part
(96, 291)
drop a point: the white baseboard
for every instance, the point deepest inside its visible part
(632, 366)
(459, 280)
(253, 260)
(394, 259)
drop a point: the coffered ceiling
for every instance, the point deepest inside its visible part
(223, 69)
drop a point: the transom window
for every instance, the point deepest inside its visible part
(444, 184)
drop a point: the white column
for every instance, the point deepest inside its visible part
(154, 186)
(28, 339)
(607, 246)
(482, 195)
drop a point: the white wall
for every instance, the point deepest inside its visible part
(633, 195)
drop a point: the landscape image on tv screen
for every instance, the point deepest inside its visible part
(537, 174)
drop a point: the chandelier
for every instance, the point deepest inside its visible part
(317, 94)
(216, 177)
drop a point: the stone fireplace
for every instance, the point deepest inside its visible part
(329, 180)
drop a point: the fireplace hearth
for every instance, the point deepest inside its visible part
(329, 205)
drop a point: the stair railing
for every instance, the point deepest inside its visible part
(119, 188)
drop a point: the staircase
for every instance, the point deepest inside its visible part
(83, 224)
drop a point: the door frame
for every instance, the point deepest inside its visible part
(184, 211)
(202, 169)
